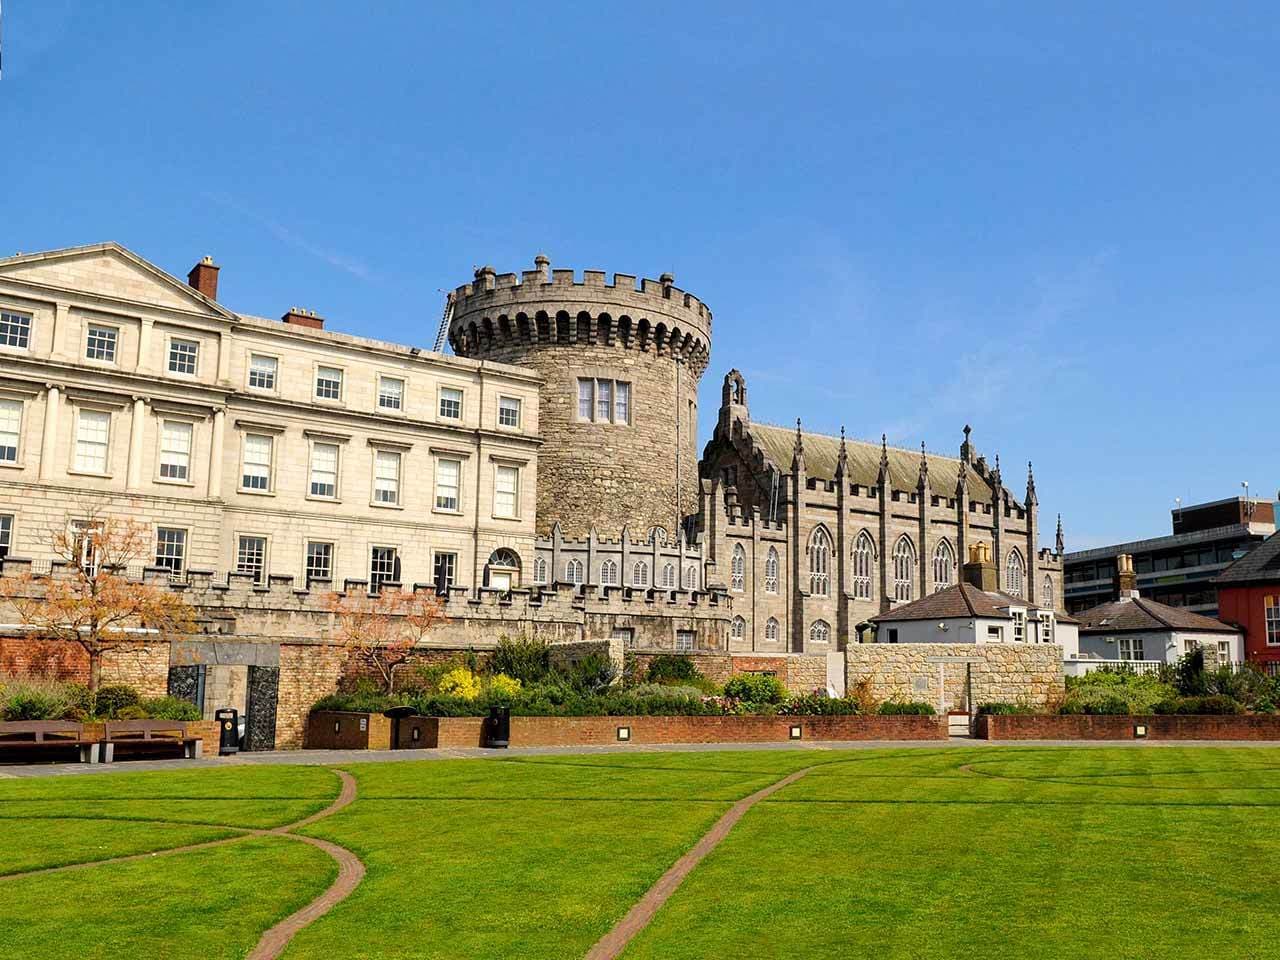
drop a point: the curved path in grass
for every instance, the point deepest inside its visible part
(274, 941)
(611, 945)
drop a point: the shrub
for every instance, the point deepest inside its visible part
(819, 705)
(594, 673)
(364, 702)
(112, 698)
(35, 700)
(171, 708)
(526, 660)
(501, 686)
(1004, 709)
(755, 688)
(1249, 685)
(672, 668)
(899, 708)
(132, 712)
(1189, 674)
(662, 690)
(459, 682)
(1097, 693)
(1213, 705)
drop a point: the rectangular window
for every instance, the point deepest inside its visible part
(328, 383)
(251, 558)
(101, 343)
(1019, 626)
(1272, 608)
(604, 401)
(506, 489)
(183, 355)
(6, 534)
(93, 430)
(448, 478)
(319, 562)
(175, 450)
(10, 429)
(893, 634)
(627, 635)
(995, 634)
(384, 568)
(84, 534)
(171, 549)
(508, 412)
(450, 403)
(445, 566)
(1131, 648)
(256, 474)
(386, 477)
(15, 330)
(684, 641)
(324, 470)
(390, 393)
(262, 372)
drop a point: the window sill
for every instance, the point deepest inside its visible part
(89, 473)
(451, 513)
(498, 517)
(386, 506)
(169, 481)
(12, 465)
(182, 376)
(256, 493)
(319, 499)
(329, 401)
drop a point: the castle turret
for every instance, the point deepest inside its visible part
(618, 413)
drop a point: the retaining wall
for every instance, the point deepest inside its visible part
(1079, 727)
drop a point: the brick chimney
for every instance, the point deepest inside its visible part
(1126, 579)
(980, 571)
(303, 318)
(204, 277)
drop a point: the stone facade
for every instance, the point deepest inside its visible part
(936, 673)
(636, 466)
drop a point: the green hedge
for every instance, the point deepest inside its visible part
(898, 708)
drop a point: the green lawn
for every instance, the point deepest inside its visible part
(928, 852)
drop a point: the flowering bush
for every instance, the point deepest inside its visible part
(755, 688)
(500, 685)
(461, 683)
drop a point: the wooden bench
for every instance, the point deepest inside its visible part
(148, 736)
(33, 736)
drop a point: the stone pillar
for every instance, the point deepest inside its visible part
(137, 427)
(144, 345)
(49, 436)
(61, 318)
(224, 356)
(216, 453)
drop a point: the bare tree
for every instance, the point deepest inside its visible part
(91, 600)
(381, 631)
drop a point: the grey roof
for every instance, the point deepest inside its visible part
(1142, 615)
(822, 452)
(1260, 565)
(960, 602)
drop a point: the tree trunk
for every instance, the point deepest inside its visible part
(95, 670)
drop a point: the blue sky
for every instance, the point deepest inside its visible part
(1055, 222)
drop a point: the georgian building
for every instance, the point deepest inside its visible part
(272, 448)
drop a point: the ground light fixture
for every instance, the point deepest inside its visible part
(1140, 731)
(796, 731)
(624, 734)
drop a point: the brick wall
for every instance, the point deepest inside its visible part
(1054, 727)
(340, 730)
(1012, 673)
(145, 667)
(307, 673)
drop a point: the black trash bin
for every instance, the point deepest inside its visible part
(498, 728)
(228, 730)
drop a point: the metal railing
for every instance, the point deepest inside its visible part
(1078, 668)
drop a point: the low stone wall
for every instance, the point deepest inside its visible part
(586, 731)
(1002, 672)
(343, 730)
(1080, 727)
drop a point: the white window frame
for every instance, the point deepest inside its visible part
(640, 575)
(112, 338)
(686, 641)
(1015, 574)
(16, 459)
(184, 541)
(500, 512)
(618, 405)
(173, 352)
(436, 487)
(819, 562)
(16, 325)
(690, 580)
(738, 569)
(397, 395)
(336, 495)
(772, 630)
(1271, 620)
(668, 576)
(771, 568)
(738, 629)
(1019, 618)
(307, 576)
(437, 558)
(322, 372)
(106, 445)
(378, 579)
(270, 465)
(383, 484)
(163, 452)
(539, 569)
(261, 579)
(275, 373)
(518, 412)
(820, 632)
(441, 400)
(574, 572)
(609, 572)
(995, 633)
(8, 523)
(1131, 648)
(944, 565)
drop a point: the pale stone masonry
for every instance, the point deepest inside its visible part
(940, 673)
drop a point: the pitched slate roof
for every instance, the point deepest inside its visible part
(961, 601)
(822, 452)
(1141, 614)
(1259, 565)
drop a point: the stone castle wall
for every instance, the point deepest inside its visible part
(1008, 673)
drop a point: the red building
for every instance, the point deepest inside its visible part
(1249, 597)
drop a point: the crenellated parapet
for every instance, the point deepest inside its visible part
(554, 306)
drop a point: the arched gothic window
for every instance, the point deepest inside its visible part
(771, 630)
(573, 572)
(738, 569)
(669, 576)
(1014, 572)
(820, 632)
(944, 566)
(640, 574)
(502, 572)
(739, 629)
(540, 570)
(771, 571)
(1046, 593)
(904, 565)
(691, 577)
(819, 562)
(609, 573)
(864, 559)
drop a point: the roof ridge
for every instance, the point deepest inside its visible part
(1146, 606)
(869, 443)
(965, 594)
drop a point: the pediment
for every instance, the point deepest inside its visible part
(112, 272)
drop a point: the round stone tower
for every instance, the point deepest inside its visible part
(619, 408)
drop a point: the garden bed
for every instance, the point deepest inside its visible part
(1121, 727)
(343, 730)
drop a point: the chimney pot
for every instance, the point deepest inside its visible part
(303, 318)
(204, 277)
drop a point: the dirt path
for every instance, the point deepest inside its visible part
(611, 945)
